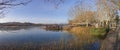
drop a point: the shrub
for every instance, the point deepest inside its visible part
(99, 32)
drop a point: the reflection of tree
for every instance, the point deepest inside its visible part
(83, 38)
(57, 30)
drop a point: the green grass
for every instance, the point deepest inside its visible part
(99, 32)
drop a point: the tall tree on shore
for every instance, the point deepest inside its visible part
(106, 12)
(82, 13)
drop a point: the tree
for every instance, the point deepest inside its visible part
(106, 12)
(116, 2)
(4, 4)
(82, 13)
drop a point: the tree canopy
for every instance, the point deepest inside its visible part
(103, 11)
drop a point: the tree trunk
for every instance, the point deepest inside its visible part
(87, 23)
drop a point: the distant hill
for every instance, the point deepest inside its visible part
(19, 24)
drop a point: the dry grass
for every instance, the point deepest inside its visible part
(83, 34)
(81, 30)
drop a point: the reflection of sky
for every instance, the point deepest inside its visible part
(39, 12)
(33, 35)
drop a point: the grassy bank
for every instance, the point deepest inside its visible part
(99, 32)
(89, 31)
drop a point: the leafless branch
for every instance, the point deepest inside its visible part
(4, 4)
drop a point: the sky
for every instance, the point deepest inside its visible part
(39, 12)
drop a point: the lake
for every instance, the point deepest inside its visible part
(37, 38)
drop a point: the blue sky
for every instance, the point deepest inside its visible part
(39, 12)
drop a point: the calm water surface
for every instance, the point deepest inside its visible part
(36, 38)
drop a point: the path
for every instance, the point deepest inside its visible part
(112, 41)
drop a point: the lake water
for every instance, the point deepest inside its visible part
(36, 38)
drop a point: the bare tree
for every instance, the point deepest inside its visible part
(4, 4)
(116, 2)
(82, 13)
(106, 12)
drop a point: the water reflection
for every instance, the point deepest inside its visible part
(14, 28)
(94, 46)
(36, 38)
(57, 30)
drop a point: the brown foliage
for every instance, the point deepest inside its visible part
(80, 14)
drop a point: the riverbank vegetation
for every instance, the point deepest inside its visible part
(105, 15)
(94, 18)
(89, 31)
